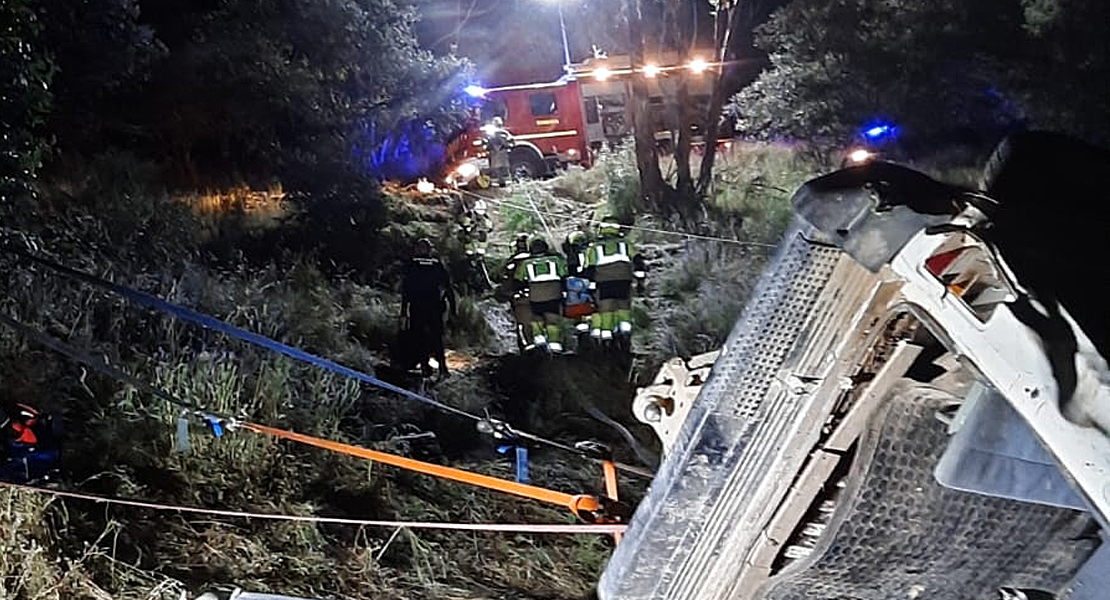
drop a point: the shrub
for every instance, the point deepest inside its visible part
(700, 296)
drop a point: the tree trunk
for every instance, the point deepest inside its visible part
(686, 34)
(712, 130)
(741, 18)
(723, 27)
(647, 159)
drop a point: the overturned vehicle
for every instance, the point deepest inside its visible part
(914, 404)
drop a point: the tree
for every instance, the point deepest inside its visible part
(1066, 83)
(103, 55)
(683, 27)
(945, 70)
(258, 86)
(733, 25)
(652, 185)
(26, 70)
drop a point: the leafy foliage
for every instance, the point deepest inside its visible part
(292, 84)
(934, 67)
(945, 70)
(250, 90)
(1067, 83)
(26, 70)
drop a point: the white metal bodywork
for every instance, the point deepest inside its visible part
(666, 403)
(1010, 355)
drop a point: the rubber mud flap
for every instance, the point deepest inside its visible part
(897, 530)
(872, 210)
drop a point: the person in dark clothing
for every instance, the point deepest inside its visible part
(426, 294)
(499, 143)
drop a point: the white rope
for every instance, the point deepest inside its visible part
(696, 236)
(492, 527)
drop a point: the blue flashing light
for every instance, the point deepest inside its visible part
(880, 131)
(475, 91)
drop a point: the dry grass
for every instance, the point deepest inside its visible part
(121, 443)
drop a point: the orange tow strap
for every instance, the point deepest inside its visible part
(610, 470)
(586, 507)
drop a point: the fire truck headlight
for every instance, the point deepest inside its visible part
(475, 91)
(572, 152)
(467, 170)
(698, 66)
(859, 156)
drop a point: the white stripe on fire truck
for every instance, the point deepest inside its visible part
(550, 134)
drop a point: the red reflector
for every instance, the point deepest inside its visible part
(939, 263)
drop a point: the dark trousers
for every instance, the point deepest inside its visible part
(614, 290)
(426, 333)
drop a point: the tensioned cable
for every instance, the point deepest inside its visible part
(538, 213)
(215, 324)
(95, 363)
(209, 322)
(581, 504)
(493, 527)
(684, 234)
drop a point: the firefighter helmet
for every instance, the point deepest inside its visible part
(577, 238)
(538, 246)
(424, 248)
(520, 244)
(610, 227)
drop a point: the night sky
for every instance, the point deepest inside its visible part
(518, 41)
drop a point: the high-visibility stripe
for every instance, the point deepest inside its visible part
(551, 274)
(550, 134)
(620, 255)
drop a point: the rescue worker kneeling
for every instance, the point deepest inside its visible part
(612, 264)
(543, 272)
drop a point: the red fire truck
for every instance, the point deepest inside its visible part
(565, 122)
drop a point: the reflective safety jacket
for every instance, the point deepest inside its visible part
(543, 275)
(613, 259)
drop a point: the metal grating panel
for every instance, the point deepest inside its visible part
(899, 534)
(673, 539)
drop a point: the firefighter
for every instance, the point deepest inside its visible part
(473, 233)
(498, 142)
(543, 273)
(517, 291)
(474, 228)
(29, 443)
(426, 294)
(612, 264)
(574, 248)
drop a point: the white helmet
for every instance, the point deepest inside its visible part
(480, 207)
